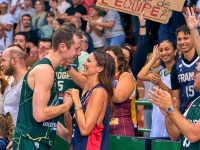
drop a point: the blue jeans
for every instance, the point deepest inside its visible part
(115, 41)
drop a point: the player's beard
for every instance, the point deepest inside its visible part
(10, 70)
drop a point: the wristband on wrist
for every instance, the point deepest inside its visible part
(68, 67)
(77, 108)
(143, 26)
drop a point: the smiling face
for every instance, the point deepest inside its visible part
(167, 52)
(39, 6)
(90, 66)
(70, 54)
(184, 42)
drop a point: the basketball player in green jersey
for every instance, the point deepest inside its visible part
(39, 105)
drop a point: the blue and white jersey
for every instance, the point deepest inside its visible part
(185, 77)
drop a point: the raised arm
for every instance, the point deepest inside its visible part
(41, 95)
(192, 24)
(142, 49)
(143, 74)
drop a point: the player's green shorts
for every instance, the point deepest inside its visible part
(22, 143)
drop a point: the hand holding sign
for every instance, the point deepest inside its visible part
(156, 10)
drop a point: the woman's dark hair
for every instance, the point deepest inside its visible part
(184, 28)
(106, 77)
(130, 52)
(170, 42)
(60, 21)
(122, 62)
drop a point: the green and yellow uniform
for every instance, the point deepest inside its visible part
(192, 115)
(30, 134)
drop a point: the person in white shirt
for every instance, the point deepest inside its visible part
(28, 9)
(6, 22)
(15, 8)
(96, 32)
(59, 7)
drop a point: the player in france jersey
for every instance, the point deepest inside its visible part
(182, 71)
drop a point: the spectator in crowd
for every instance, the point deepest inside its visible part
(92, 112)
(121, 122)
(113, 29)
(33, 37)
(6, 22)
(77, 22)
(6, 129)
(186, 127)
(155, 68)
(96, 32)
(166, 52)
(44, 44)
(34, 52)
(59, 7)
(76, 10)
(181, 79)
(47, 30)
(128, 54)
(21, 39)
(3, 41)
(13, 64)
(39, 17)
(28, 9)
(58, 22)
(84, 45)
(15, 8)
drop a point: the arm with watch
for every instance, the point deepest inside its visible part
(76, 76)
(176, 123)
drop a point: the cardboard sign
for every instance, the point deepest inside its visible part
(156, 10)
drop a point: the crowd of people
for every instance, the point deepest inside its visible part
(68, 71)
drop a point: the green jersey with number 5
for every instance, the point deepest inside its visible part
(65, 82)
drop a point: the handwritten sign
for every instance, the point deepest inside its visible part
(156, 10)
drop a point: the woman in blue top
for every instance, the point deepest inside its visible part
(92, 111)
